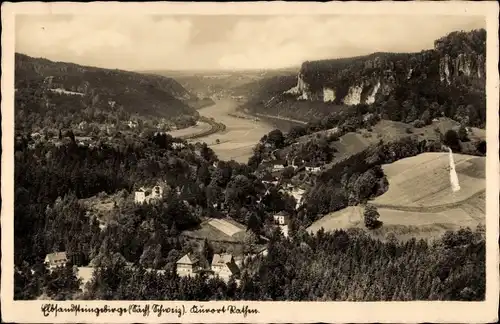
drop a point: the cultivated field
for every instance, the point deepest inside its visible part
(213, 229)
(420, 202)
(423, 180)
(226, 227)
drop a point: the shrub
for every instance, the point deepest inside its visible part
(371, 217)
(462, 134)
(418, 123)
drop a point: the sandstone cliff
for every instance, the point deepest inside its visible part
(450, 78)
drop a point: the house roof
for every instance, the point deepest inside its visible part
(57, 256)
(282, 213)
(187, 259)
(224, 258)
(233, 268)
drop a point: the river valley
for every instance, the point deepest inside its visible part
(237, 141)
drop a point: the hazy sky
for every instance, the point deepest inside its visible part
(225, 42)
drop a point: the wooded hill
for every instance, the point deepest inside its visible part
(45, 87)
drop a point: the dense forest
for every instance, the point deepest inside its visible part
(341, 266)
(51, 181)
(448, 80)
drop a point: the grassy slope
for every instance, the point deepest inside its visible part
(409, 181)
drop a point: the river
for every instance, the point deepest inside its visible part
(240, 136)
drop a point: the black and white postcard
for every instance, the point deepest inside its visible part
(265, 162)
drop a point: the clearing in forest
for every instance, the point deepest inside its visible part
(218, 230)
(420, 202)
(424, 180)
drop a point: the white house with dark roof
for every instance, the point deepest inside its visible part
(224, 266)
(56, 260)
(282, 219)
(188, 265)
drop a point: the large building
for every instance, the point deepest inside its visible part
(223, 265)
(147, 196)
(188, 265)
(56, 260)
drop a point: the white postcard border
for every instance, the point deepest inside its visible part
(269, 312)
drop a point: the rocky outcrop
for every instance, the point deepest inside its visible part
(353, 96)
(328, 95)
(361, 79)
(443, 81)
(470, 65)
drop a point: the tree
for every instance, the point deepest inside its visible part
(207, 153)
(276, 138)
(296, 132)
(462, 134)
(250, 241)
(481, 147)
(451, 140)
(371, 217)
(426, 117)
(254, 224)
(207, 251)
(288, 173)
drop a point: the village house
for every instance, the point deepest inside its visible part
(56, 260)
(147, 196)
(132, 124)
(273, 166)
(313, 169)
(282, 219)
(178, 145)
(224, 266)
(188, 265)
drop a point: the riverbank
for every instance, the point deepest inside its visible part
(295, 121)
(237, 139)
(215, 127)
(233, 134)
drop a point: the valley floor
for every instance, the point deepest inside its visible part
(237, 141)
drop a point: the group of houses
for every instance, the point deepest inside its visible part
(276, 166)
(223, 266)
(148, 196)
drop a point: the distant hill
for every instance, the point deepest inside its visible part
(448, 80)
(210, 83)
(41, 83)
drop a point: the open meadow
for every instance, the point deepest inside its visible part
(419, 202)
(423, 180)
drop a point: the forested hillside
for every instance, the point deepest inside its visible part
(54, 92)
(448, 80)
